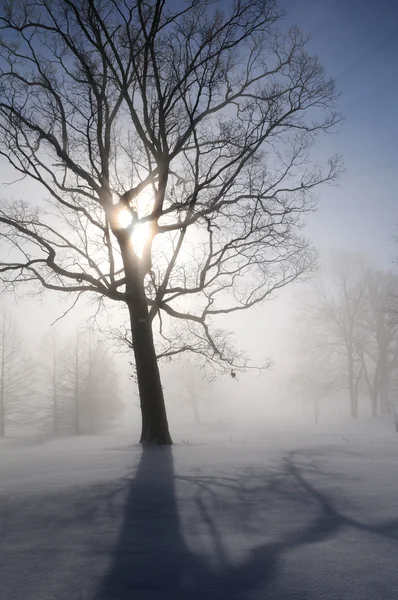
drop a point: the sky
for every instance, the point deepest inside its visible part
(358, 45)
(357, 42)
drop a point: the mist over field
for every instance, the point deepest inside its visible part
(198, 300)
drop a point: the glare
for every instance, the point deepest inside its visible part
(139, 237)
(140, 231)
(124, 218)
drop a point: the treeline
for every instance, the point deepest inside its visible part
(70, 387)
(349, 336)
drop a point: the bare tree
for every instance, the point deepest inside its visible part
(173, 142)
(353, 328)
(335, 309)
(15, 375)
(314, 374)
(100, 400)
(53, 386)
(189, 381)
(377, 340)
(194, 383)
(75, 367)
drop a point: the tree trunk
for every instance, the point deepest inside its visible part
(91, 396)
(373, 387)
(385, 403)
(351, 383)
(77, 391)
(153, 411)
(55, 415)
(396, 421)
(55, 395)
(2, 424)
(394, 408)
(76, 425)
(316, 411)
(353, 402)
(155, 427)
(196, 413)
(374, 402)
(194, 405)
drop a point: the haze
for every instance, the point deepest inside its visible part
(281, 480)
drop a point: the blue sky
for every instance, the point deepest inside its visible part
(357, 41)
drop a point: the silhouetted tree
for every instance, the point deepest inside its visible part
(174, 144)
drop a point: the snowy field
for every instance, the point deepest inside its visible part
(309, 513)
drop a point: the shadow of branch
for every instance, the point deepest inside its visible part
(153, 559)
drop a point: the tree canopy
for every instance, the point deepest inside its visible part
(173, 143)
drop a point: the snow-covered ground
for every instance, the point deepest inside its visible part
(277, 513)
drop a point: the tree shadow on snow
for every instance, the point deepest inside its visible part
(153, 559)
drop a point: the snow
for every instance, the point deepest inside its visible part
(282, 512)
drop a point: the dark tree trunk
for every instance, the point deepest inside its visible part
(154, 420)
(155, 428)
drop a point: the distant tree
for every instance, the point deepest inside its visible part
(335, 308)
(194, 383)
(313, 376)
(377, 339)
(78, 385)
(15, 375)
(52, 384)
(100, 399)
(174, 141)
(75, 366)
(188, 382)
(349, 309)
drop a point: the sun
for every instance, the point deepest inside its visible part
(124, 218)
(140, 231)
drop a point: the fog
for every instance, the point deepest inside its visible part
(268, 276)
(358, 47)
